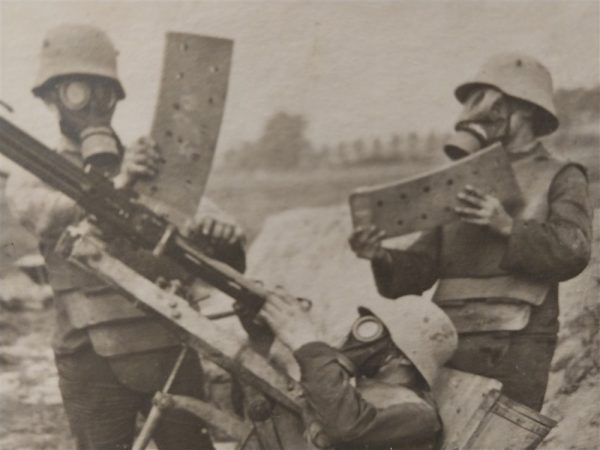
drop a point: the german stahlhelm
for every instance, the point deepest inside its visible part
(420, 329)
(520, 76)
(76, 50)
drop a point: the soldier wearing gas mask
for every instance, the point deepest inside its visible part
(499, 269)
(111, 356)
(373, 392)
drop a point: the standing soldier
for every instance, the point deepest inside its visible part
(111, 357)
(499, 270)
(374, 392)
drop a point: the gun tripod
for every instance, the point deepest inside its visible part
(275, 412)
(264, 427)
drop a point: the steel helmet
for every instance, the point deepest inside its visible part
(77, 50)
(420, 329)
(520, 76)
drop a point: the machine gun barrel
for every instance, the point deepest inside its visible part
(119, 211)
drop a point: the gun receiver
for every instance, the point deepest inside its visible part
(119, 211)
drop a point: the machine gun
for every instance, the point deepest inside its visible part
(275, 399)
(119, 212)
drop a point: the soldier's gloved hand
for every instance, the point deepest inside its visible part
(214, 231)
(289, 319)
(140, 160)
(485, 210)
(365, 242)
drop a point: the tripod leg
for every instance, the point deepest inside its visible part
(158, 406)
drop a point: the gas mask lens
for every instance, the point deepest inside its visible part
(367, 329)
(77, 94)
(105, 96)
(368, 345)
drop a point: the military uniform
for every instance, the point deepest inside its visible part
(377, 413)
(376, 395)
(502, 293)
(111, 356)
(501, 288)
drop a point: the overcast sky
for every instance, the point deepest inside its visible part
(354, 69)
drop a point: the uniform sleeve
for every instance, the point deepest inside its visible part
(42, 210)
(410, 271)
(560, 247)
(351, 421)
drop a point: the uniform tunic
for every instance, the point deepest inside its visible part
(548, 251)
(109, 369)
(377, 414)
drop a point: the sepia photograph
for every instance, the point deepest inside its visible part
(299, 225)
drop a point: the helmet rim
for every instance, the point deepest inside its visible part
(545, 121)
(71, 50)
(39, 89)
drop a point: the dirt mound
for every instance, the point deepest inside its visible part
(574, 387)
(306, 251)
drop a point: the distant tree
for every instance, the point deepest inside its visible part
(413, 145)
(245, 156)
(324, 149)
(376, 149)
(579, 106)
(395, 146)
(432, 143)
(359, 150)
(341, 153)
(283, 142)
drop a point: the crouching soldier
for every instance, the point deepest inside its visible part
(111, 357)
(374, 391)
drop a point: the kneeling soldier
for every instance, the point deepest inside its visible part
(374, 391)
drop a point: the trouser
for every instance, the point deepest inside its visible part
(102, 410)
(520, 361)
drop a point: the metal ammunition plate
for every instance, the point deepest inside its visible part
(188, 118)
(428, 201)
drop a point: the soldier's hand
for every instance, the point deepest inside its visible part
(482, 209)
(140, 160)
(216, 231)
(365, 242)
(289, 319)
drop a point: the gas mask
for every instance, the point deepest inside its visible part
(368, 346)
(86, 106)
(484, 120)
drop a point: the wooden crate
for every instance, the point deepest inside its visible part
(477, 416)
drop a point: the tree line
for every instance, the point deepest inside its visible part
(283, 144)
